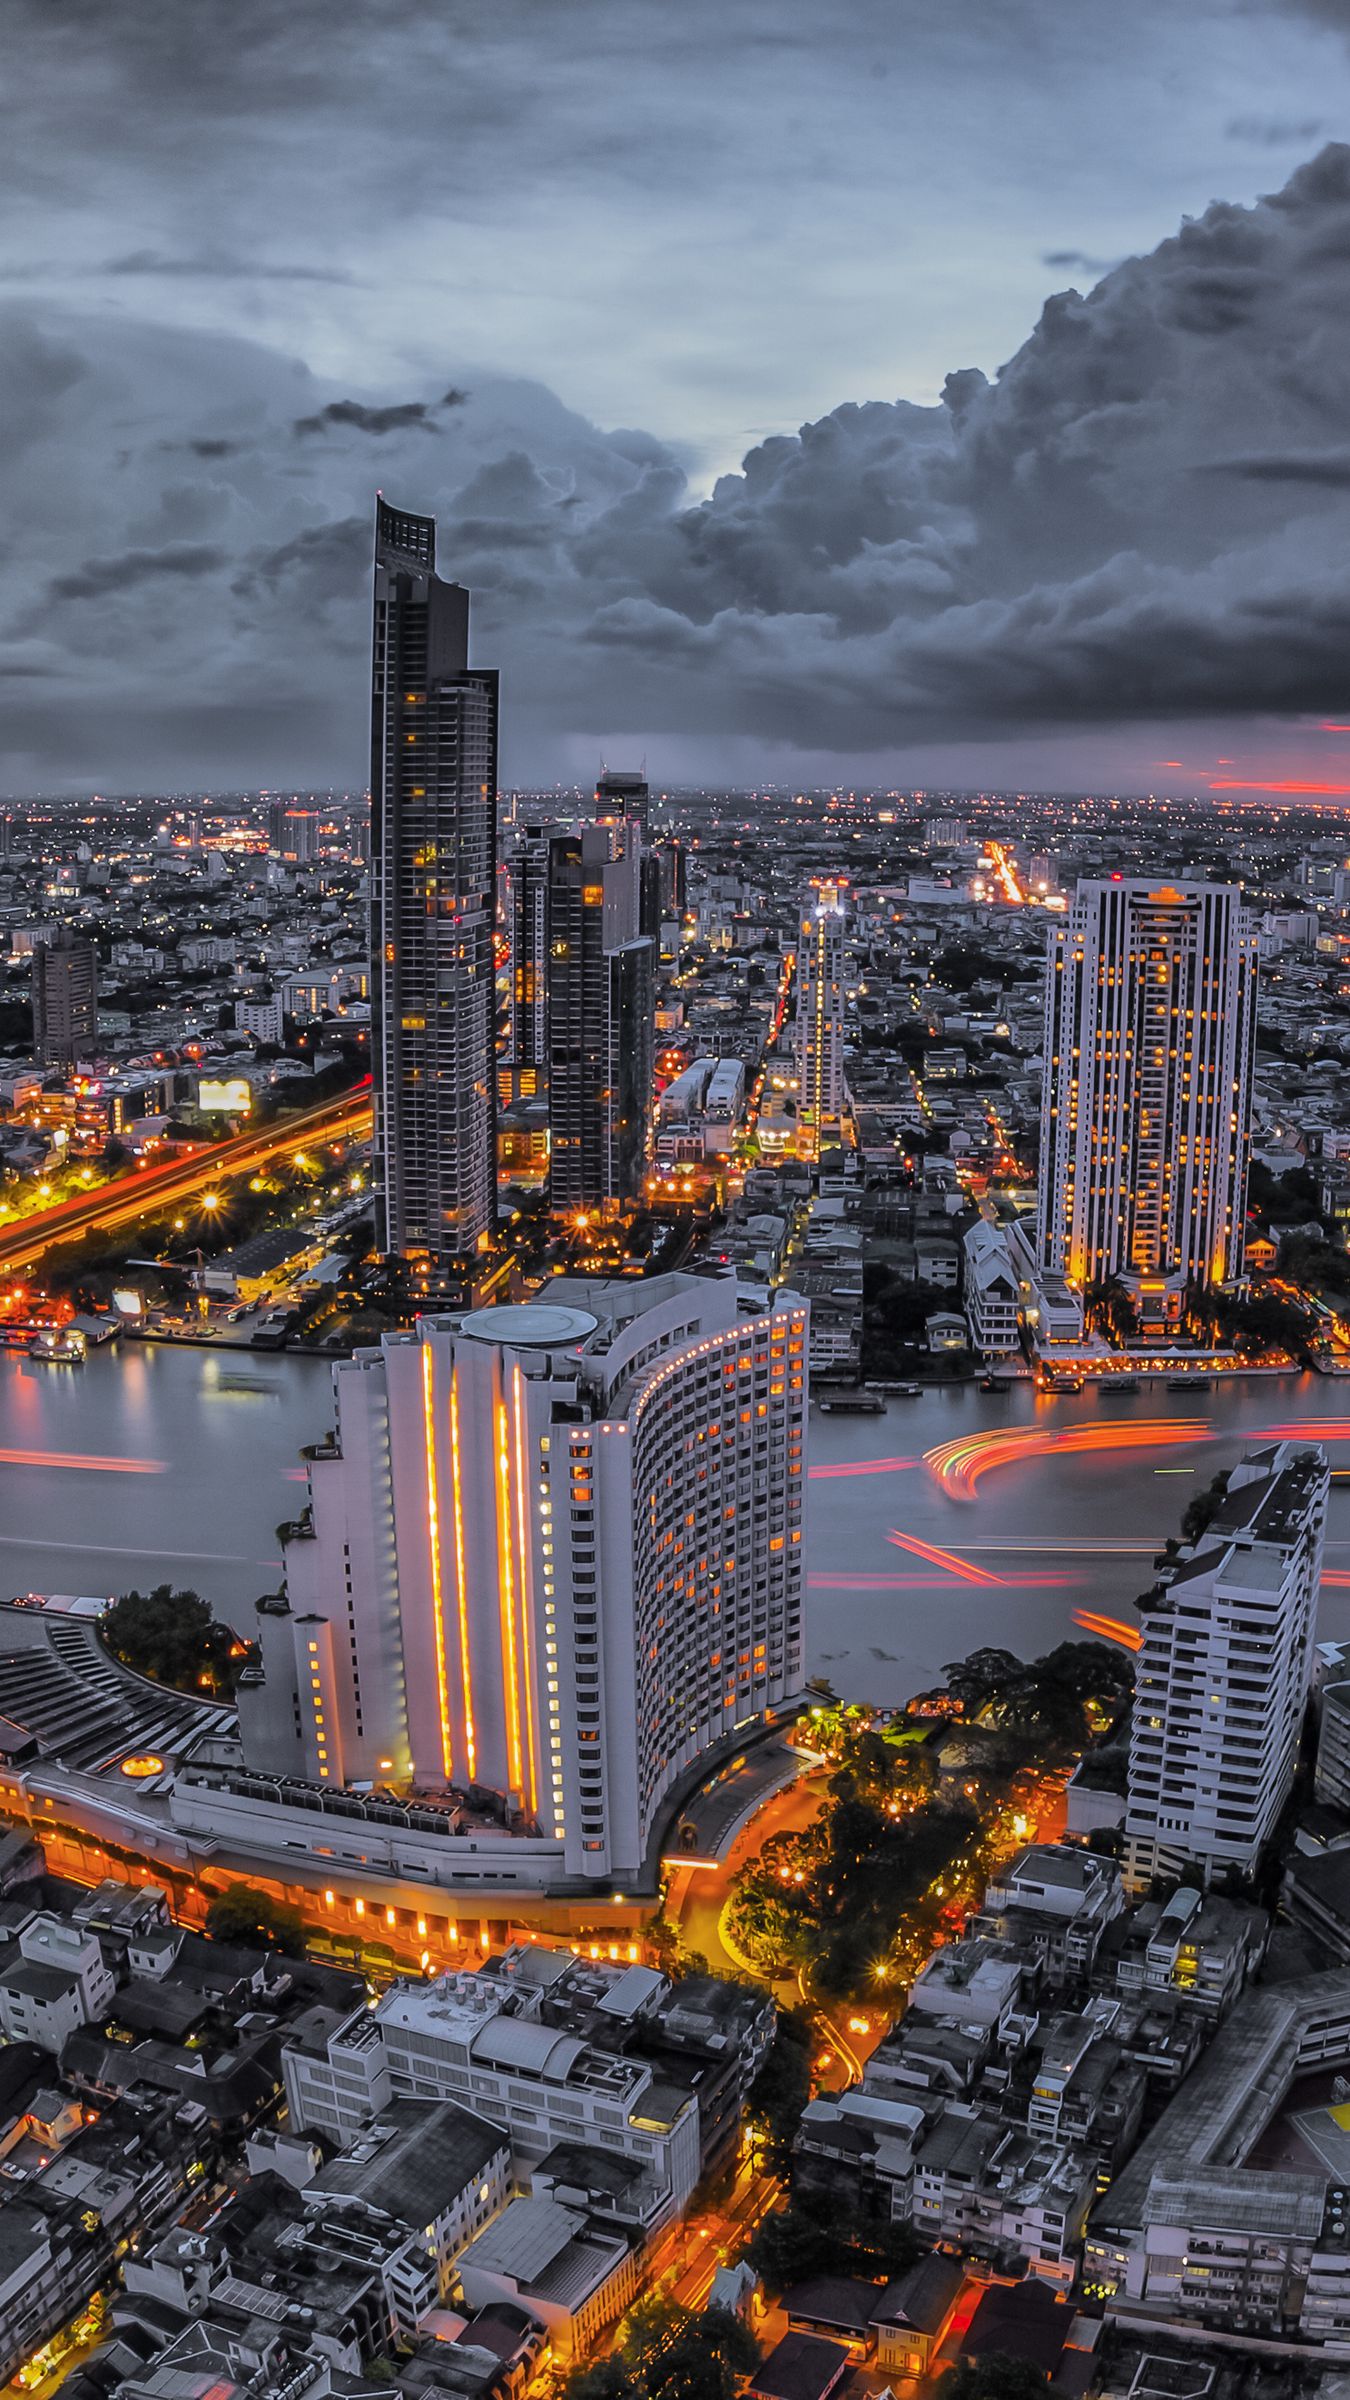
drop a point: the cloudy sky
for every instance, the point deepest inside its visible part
(881, 391)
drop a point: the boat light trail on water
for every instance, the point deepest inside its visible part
(936, 1583)
(959, 1465)
(865, 1466)
(1109, 1629)
(960, 1567)
(88, 1465)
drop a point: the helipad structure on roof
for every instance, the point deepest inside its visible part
(532, 1325)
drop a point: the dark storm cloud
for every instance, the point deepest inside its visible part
(1274, 133)
(1076, 262)
(126, 568)
(207, 264)
(1144, 516)
(354, 413)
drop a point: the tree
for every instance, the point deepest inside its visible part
(665, 2352)
(1109, 1309)
(242, 1913)
(1000, 2376)
(817, 2234)
(173, 1638)
(782, 2087)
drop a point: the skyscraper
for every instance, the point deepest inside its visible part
(620, 793)
(601, 1003)
(433, 785)
(555, 1552)
(1222, 1679)
(1145, 1113)
(65, 999)
(820, 1019)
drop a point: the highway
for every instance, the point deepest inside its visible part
(150, 1191)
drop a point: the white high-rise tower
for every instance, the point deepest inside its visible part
(820, 1018)
(1222, 1679)
(1145, 1114)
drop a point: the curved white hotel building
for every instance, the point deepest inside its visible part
(552, 1554)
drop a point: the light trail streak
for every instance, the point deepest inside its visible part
(929, 1551)
(1109, 1629)
(959, 1465)
(928, 1583)
(87, 1464)
(1333, 1575)
(864, 1466)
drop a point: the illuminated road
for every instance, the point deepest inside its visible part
(179, 1181)
(1005, 871)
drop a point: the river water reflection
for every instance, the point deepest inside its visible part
(152, 1462)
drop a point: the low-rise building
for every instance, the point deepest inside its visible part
(575, 2275)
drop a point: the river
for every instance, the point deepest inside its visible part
(154, 1463)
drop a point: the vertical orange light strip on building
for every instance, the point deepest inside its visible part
(465, 1664)
(510, 1663)
(522, 1524)
(434, 1540)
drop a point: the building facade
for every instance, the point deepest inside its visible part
(65, 999)
(552, 1554)
(601, 998)
(820, 1019)
(1222, 1679)
(1146, 1104)
(433, 785)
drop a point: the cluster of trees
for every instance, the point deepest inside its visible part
(173, 1638)
(243, 1914)
(830, 1901)
(1050, 1708)
(895, 1314)
(1265, 1320)
(666, 2352)
(818, 2234)
(893, 1855)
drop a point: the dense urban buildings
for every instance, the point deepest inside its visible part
(553, 1555)
(1149, 1040)
(433, 786)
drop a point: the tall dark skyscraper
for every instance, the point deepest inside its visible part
(65, 1000)
(620, 793)
(600, 1019)
(433, 793)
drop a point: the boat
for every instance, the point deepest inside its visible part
(1117, 1387)
(1065, 1385)
(995, 1383)
(1189, 1383)
(852, 1403)
(59, 1349)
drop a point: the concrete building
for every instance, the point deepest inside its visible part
(991, 1292)
(453, 2039)
(1222, 1679)
(1196, 2227)
(1149, 1037)
(820, 1019)
(601, 999)
(574, 2275)
(57, 1982)
(553, 1553)
(65, 999)
(433, 784)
